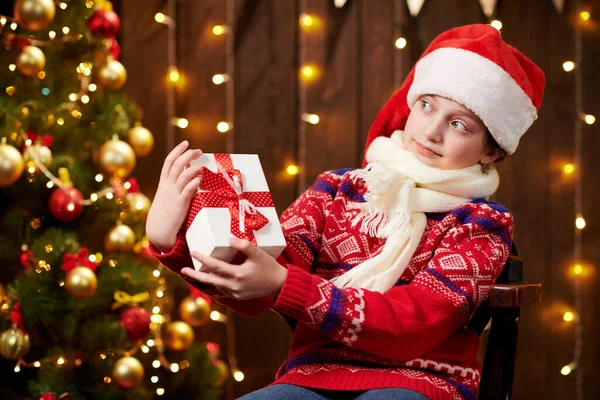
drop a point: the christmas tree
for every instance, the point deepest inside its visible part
(85, 309)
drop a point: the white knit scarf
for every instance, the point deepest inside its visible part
(400, 190)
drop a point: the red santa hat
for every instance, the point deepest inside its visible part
(473, 66)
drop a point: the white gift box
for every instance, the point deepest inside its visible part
(210, 230)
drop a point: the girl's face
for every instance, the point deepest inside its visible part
(446, 135)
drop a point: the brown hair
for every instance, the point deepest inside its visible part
(490, 144)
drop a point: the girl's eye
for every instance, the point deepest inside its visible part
(426, 106)
(459, 126)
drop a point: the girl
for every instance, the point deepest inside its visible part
(385, 264)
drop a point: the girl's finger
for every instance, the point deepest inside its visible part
(181, 162)
(209, 279)
(170, 159)
(187, 175)
(191, 189)
(218, 267)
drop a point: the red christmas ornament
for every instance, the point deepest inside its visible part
(66, 206)
(136, 322)
(45, 140)
(114, 49)
(105, 22)
(16, 317)
(25, 258)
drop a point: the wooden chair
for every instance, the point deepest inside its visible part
(503, 308)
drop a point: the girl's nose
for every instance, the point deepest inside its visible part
(434, 130)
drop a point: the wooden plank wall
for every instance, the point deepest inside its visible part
(360, 70)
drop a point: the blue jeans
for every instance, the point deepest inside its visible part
(285, 392)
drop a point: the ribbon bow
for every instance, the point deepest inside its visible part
(226, 189)
(70, 261)
(124, 299)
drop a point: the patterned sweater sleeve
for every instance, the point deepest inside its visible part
(409, 320)
(302, 225)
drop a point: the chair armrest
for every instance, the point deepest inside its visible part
(516, 295)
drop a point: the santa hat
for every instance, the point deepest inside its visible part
(473, 66)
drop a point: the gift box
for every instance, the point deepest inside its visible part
(233, 200)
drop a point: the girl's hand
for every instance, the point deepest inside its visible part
(176, 188)
(260, 275)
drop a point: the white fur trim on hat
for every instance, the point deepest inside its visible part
(480, 85)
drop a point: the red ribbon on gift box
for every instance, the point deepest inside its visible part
(226, 189)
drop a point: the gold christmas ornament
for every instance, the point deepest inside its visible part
(31, 61)
(128, 372)
(11, 165)
(81, 282)
(222, 372)
(141, 140)
(178, 335)
(194, 311)
(43, 154)
(120, 238)
(34, 14)
(116, 158)
(14, 343)
(113, 75)
(139, 205)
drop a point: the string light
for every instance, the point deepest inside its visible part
(160, 391)
(37, 364)
(238, 375)
(60, 361)
(63, 6)
(180, 122)
(92, 87)
(400, 43)
(568, 169)
(156, 310)
(163, 19)
(219, 30)
(566, 370)
(568, 66)
(3, 20)
(12, 67)
(220, 78)
(52, 35)
(310, 118)
(589, 119)
(109, 196)
(66, 30)
(292, 169)
(150, 342)
(568, 316)
(13, 26)
(174, 367)
(309, 73)
(145, 349)
(156, 364)
(223, 126)
(584, 15)
(50, 184)
(107, 380)
(156, 273)
(496, 24)
(217, 316)
(17, 368)
(306, 20)
(154, 379)
(173, 74)
(580, 223)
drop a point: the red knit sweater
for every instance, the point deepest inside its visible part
(414, 336)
